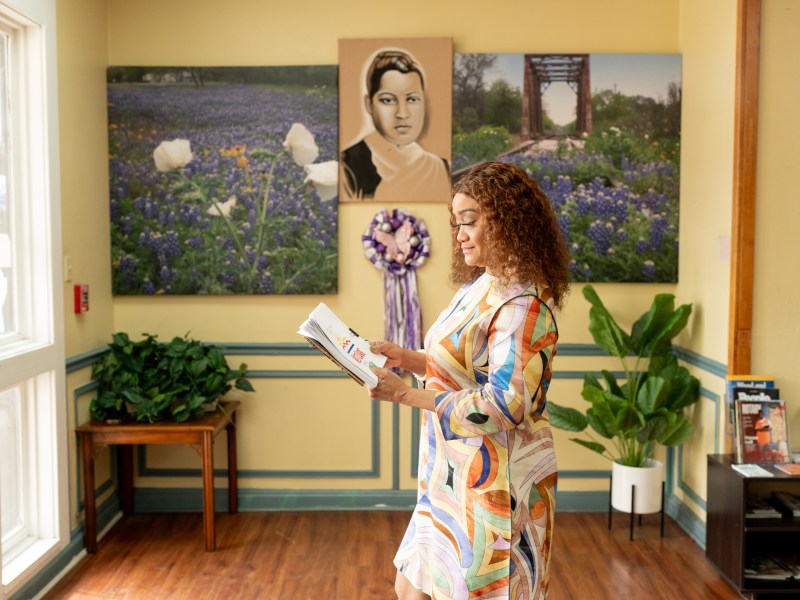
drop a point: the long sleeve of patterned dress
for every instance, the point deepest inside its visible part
(519, 344)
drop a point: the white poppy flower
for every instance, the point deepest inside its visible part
(171, 156)
(325, 177)
(301, 143)
(225, 207)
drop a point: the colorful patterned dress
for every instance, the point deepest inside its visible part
(483, 522)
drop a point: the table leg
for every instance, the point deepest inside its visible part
(126, 477)
(208, 491)
(90, 508)
(233, 476)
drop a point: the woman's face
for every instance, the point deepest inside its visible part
(398, 107)
(466, 216)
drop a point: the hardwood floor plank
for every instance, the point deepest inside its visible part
(348, 556)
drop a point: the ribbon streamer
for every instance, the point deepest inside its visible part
(398, 243)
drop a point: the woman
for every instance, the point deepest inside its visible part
(483, 523)
(388, 165)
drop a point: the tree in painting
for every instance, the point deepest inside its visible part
(614, 183)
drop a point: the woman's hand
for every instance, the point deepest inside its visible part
(391, 388)
(392, 352)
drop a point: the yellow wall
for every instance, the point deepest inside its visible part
(287, 423)
(82, 61)
(707, 42)
(776, 326)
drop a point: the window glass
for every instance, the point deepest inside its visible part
(11, 483)
(7, 324)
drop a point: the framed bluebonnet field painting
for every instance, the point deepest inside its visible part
(600, 133)
(223, 180)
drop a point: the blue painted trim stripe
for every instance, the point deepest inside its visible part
(296, 374)
(252, 500)
(701, 362)
(580, 350)
(84, 360)
(269, 348)
(304, 349)
(584, 473)
(684, 354)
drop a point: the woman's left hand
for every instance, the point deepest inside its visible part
(390, 387)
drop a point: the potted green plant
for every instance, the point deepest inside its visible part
(153, 381)
(643, 408)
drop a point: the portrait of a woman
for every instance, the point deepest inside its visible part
(388, 163)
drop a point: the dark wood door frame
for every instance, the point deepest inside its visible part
(745, 147)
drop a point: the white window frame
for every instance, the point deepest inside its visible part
(32, 360)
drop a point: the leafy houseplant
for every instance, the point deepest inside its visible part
(154, 381)
(646, 409)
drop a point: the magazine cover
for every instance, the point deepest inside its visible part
(763, 435)
(740, 381)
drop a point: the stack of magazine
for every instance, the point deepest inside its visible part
(328, 333)
(760, 507)
(761, 433)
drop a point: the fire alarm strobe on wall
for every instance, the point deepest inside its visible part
(81, 297)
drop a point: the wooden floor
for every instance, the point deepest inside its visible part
(348, 555)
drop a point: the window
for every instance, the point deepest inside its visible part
(6, 303)
(34, 514)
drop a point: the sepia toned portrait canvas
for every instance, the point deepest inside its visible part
(395, 109)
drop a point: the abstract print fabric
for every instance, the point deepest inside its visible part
(483, 522)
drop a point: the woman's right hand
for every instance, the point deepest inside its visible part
(392, 352)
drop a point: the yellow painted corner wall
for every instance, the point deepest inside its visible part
(708, 43)
(82, 60)
(776, 326)
(287, 424)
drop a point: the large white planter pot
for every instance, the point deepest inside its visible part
(647, 481)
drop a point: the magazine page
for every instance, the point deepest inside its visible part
(341, 344)
(762, 428)
(751, 470)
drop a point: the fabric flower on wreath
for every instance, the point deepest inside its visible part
(398, 243)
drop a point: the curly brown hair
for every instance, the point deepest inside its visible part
(521, 231)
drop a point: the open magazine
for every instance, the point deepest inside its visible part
(342, 345)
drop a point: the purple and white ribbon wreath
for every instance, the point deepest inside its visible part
(398, 244)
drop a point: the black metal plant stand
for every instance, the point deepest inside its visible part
(633, 498)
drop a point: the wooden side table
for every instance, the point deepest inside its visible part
(199, 434)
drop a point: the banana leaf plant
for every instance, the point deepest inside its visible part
(643, 406)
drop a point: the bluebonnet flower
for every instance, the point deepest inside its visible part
(648, 270)
(194, 242)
